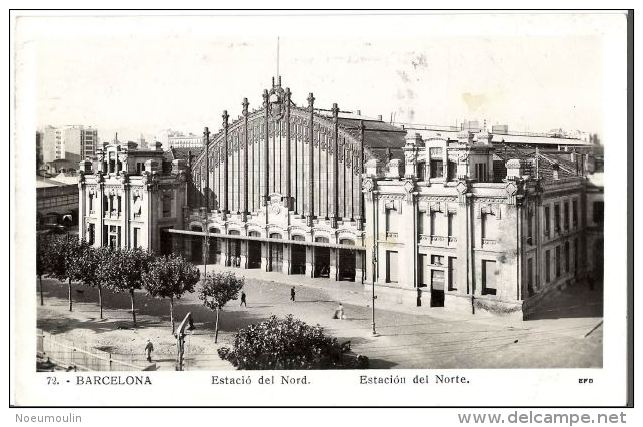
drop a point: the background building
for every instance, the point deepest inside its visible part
(171, 138)
(64, 147)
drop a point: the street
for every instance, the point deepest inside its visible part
(408, 337)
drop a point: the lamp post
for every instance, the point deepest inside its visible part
(374, 266)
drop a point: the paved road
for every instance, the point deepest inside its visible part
(408, 338)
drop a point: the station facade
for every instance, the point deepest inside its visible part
(442, 220)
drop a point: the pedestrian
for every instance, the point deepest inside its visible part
(149, 348)
(292, 294)
(339, 312)
(243, 299)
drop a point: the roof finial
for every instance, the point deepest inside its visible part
(278, 79)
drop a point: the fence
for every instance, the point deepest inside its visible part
(71, 356)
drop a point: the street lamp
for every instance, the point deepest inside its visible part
(374, 266)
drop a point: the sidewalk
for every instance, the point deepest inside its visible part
(360, 295)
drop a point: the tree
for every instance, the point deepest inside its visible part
(42, 261)
(63, 252)
(170, 277)
(215, 292)
(126, 269)
(93, 270)
(288, 344)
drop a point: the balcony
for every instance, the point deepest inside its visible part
(391, 235)
(452, 240)
(431, 240)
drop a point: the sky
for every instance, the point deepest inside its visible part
(142, 74)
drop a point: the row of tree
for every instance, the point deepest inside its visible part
(127, 270)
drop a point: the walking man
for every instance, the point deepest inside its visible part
(243, 299)
(292, 294)
(149, 348)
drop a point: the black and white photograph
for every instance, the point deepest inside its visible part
(380, 199)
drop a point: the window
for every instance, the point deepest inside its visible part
(546, 229)
(488, 277)
(388, 220)
(437, 259)
(576, 254)
(452, 274)
(481, 172)
(391, 266)
(575, 213)
(137, 237)
(556, 218)
(452, 170)
(421, 171)
(432, 216)
(489, 226)
(436, 168)
(451, 224)
(566, 257)
(91, 234)
(598, 212)
(557, 261)
(530, 228)
(90, 203)
(547, 266)
(420, 222)
(167, 206)
(566, 215)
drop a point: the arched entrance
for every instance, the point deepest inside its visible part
(254, 251)
(234, 249)
(196, 245)
(346, 260)
(214, 250)
(297, 256)
(322, 259)
(275, 253)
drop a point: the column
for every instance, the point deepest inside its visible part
(287, 200)
(244, 254)
(125, 197)
(244, 216)
(334, 264)
(225, 163)
(359, 218)
(223, 245)
(334, 200)
(311, 159)
(265, 262)
(206, 137)
(359, 266)
(408, 234)
(266, 162)
(82, 209)
(285, 264)
(310, 261)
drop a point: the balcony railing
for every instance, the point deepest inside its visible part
(443, 241)
(391, 235)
